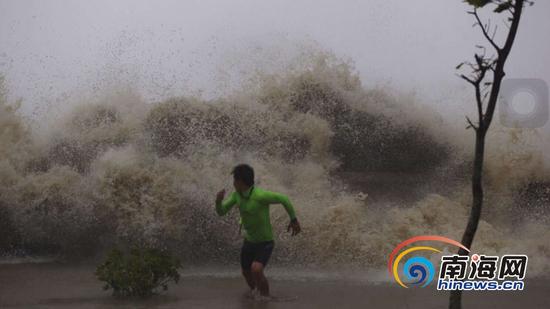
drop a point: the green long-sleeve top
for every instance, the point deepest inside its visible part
(254, 211)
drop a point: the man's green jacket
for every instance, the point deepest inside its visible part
(254, 210)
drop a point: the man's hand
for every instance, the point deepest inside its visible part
(220, 196)
(294, 226)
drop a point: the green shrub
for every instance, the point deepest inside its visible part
(142, 272)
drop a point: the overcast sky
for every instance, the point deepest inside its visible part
(51, 49)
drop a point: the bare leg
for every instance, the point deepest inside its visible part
(260, 281)
(247, 274)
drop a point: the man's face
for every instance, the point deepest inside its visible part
(239, 185)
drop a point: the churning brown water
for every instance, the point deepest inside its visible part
(365, 169)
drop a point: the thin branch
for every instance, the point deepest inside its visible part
(468, 79)
(484, 30)
(471, 124)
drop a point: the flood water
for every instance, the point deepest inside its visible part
(55, 285)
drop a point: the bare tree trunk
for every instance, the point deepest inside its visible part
(475, 214)
(477, 192)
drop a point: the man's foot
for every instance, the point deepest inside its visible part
(251, 294)
(257, 296)
(263, 298)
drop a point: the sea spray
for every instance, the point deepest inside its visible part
(123, 171)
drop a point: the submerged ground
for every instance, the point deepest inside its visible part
(54, 285)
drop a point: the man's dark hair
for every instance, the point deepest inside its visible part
(244, 173)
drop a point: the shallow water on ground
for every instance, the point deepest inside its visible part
(55, 285)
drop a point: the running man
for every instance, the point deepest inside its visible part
(253, 203)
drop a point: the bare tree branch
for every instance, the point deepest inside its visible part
(468, 79)
(484, 30)
(470, 124)
(499, 68)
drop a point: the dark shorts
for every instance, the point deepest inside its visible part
(255, 252)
